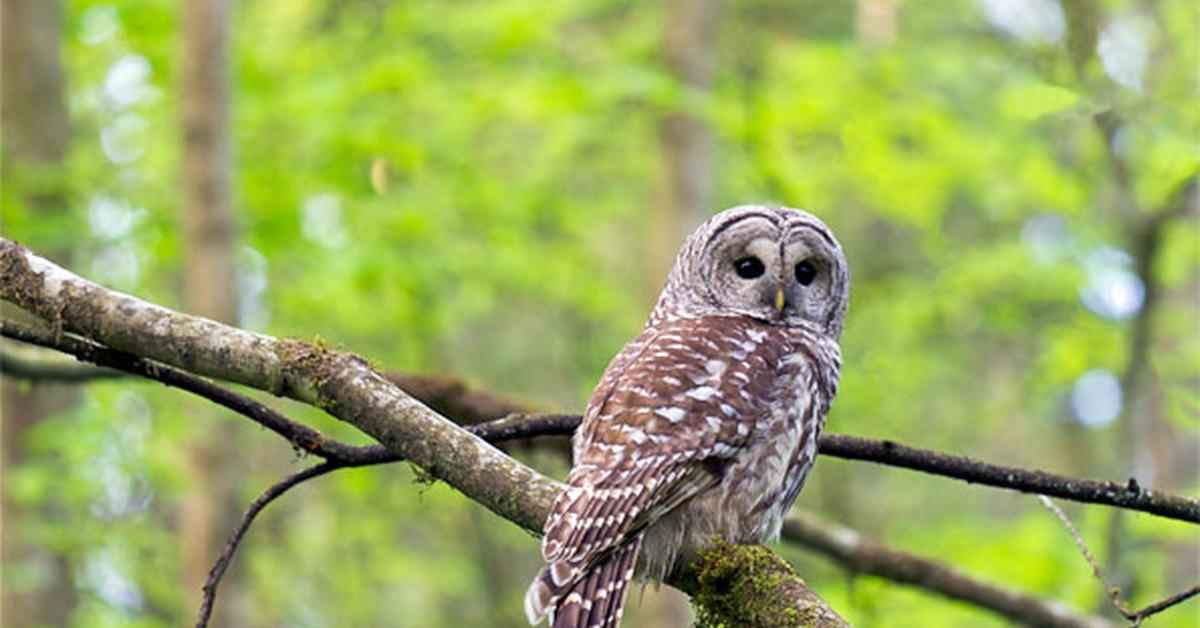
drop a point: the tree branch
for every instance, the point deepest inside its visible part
(511, 426)
(1129, 496)
(20, 365)
(1152, 609)
(861, 555)
(467, 406)
(299, 435)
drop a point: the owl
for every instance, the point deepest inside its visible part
(706, 424)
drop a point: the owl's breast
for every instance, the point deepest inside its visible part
(758, 487)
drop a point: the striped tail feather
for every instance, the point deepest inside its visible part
(591, 599)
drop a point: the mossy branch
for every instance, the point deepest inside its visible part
(751, 586)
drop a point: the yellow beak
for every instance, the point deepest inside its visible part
(779, 300)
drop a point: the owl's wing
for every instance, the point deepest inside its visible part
(659, 430)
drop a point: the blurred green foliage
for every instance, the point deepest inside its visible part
(466, 188)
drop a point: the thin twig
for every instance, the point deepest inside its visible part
(514, 426)
(303, 437)
(243, 524)
(1114, 592)
(1164, 604)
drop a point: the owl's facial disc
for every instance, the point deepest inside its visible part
(778, 265)
(774, 272)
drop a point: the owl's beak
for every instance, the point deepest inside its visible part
(779, 300)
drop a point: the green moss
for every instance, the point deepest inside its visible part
(421, 476)
(739, 585)
(305, 369)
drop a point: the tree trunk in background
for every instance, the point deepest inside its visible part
(685, 195)
(35, 586)
(210, 289)
(684, 198)
(875, 22)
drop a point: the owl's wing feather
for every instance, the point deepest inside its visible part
(610, 512)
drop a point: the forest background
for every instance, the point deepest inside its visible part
(495, 190)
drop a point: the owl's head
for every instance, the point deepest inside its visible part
(779, 265)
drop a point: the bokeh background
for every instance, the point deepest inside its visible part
(494, 190)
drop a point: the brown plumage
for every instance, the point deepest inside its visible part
(706, 423)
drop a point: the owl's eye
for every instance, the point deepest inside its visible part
(805, 272)
(749, 267)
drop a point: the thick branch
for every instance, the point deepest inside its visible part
(342, 384)
(346, 386)
(862, 555)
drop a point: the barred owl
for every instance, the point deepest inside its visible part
(706, 424)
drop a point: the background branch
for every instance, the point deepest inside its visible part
(1129, 496)
(860, 555)
(23, 365)
(299, 435)
(273, 492)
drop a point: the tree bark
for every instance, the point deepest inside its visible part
(35, 127)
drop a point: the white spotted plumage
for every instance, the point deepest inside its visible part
(706, 424)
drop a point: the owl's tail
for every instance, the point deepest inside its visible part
(593, 599)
